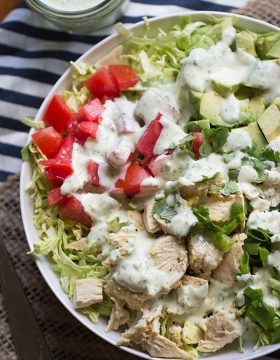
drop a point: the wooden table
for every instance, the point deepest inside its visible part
(6, 6)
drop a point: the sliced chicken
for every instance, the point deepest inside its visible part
(151, 225)
(192, 291)
(145, 333)
(229, 267)
(197, 192)
(219, 330)
(135, 300)
(204, 257)
(220, 206)
(170, 255)
(87, 292)
(119, 316)
(137, 219)
(175, 334)
(77, 245)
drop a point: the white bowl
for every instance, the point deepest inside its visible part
(91, 56)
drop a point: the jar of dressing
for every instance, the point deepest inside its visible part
(79, 16)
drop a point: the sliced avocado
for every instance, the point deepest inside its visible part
(216, 32)
(256, 135)
(210, 109)
(269, 122)
(245, 40)
(244, 92)
(265, 44)
(254, 110)
(274, 51)
(224, 89)
(198, 125)
(195, 98)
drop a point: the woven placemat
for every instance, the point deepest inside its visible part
(66, 337)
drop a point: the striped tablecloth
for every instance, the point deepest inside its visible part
(34, 53)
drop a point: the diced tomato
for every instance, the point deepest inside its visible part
(124, 75)
(58, 114)
(157, 163)
(148, 140)
(55, 197)
(92, 111)
(48, 141)
(134, 176)
(196, 143)
(102, 83)
(55, 176)
(86, 129)
(72, 209)
(92, 169)
(63, 160)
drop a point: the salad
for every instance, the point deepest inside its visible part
(156, 187)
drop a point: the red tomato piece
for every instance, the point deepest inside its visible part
(58, 114)
(148, 140)
(134, 176)
(55, 197)
(86, 129)
(102, 83)
(55, 176)
(72, 209)
(92, 169)
(124, 75)
(63, 160)
(48, 141)
(92, 111)
(196, 143)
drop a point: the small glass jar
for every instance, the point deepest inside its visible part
(98, 14)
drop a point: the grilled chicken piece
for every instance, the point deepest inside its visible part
(219, 330)
(77, 245)
(145, 333)
(229, 267)
(136, 217)
(151, 225)
(87, 292)
(119, 316)
(192, 291)
(135, 300)
(170, 255)
(220, 206)
(197, 192)
(204, 257)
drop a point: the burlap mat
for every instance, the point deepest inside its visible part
(66, 337)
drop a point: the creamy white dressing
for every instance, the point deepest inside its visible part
(237, 139)
(230, 109)
(275, 144)
(267, 220)
(260, 280)
(171, 134)
(206, 167)
(181, 223)
(274, 258)
(138, 271)
(72, 5)
(219, 63)
(248, 175)
(153, 102)
(190, 296)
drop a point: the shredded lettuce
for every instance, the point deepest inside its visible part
(56, 234)
(30, 122)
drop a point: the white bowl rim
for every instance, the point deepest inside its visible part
(60, 295)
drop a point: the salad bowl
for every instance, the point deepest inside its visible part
(92, 56)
